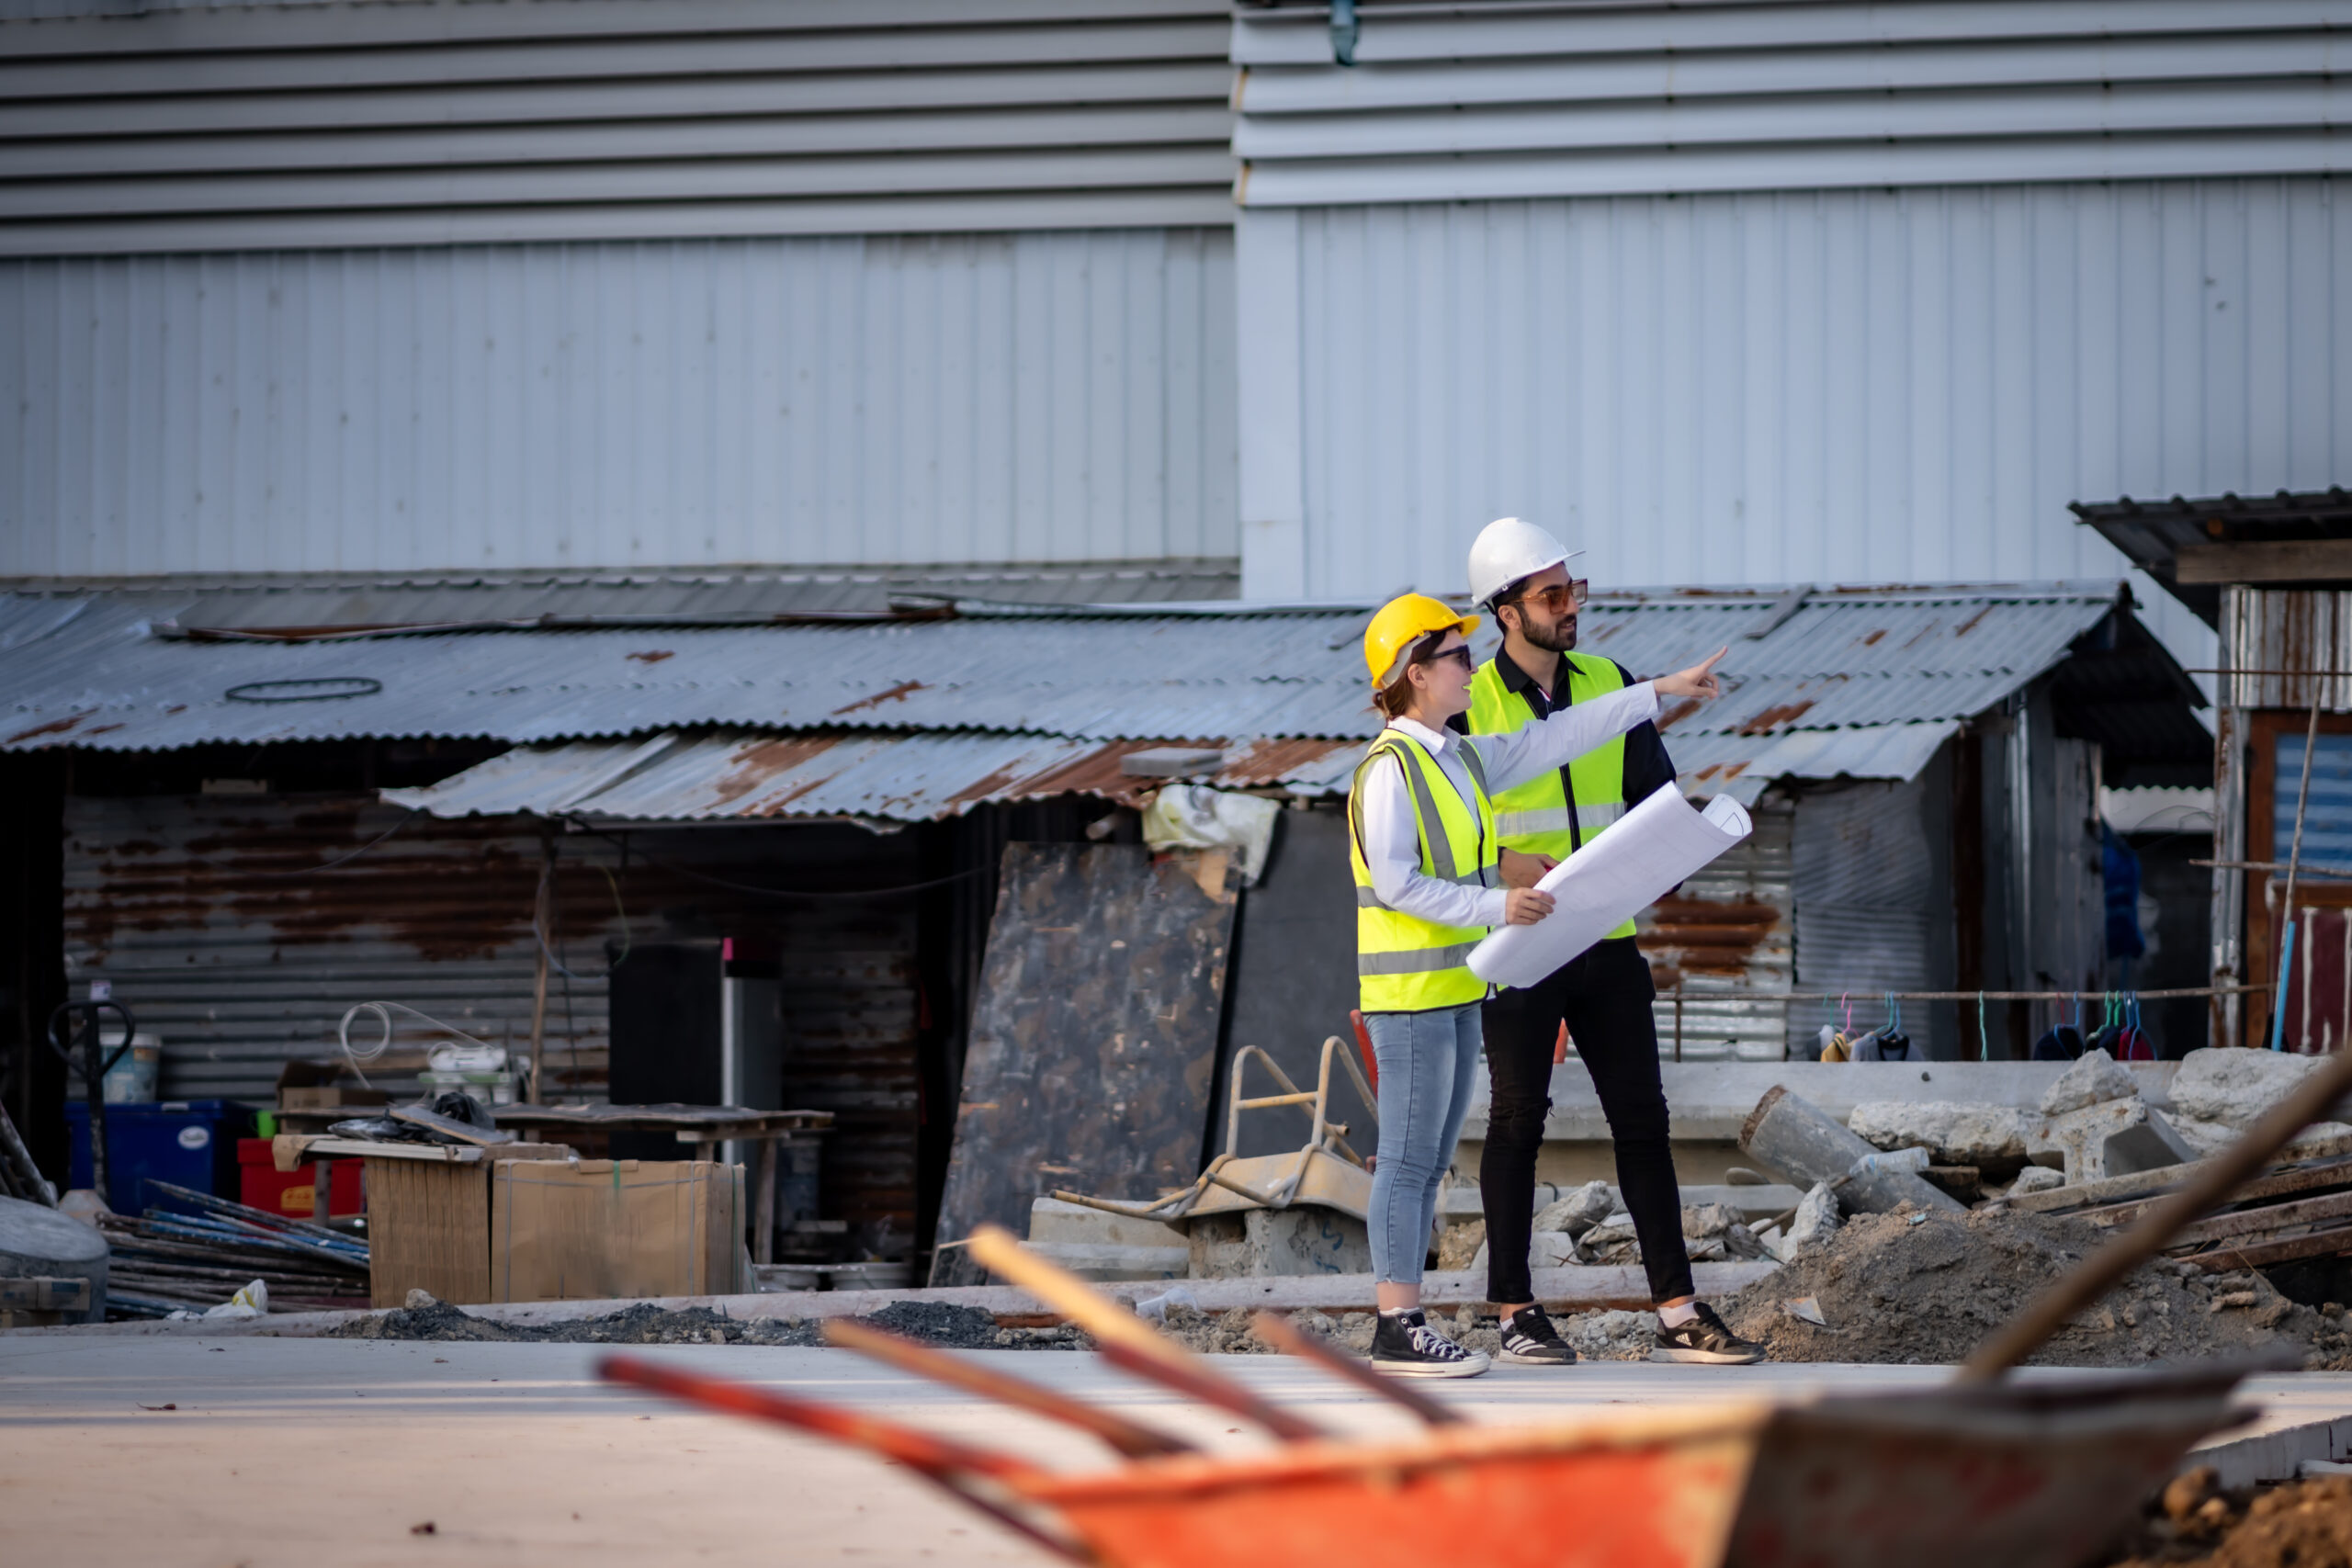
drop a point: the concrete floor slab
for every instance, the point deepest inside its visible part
(310, 1452)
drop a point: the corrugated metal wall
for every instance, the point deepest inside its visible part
(1726, 939)
(453, 121)
(1864, 875)
(1481, 102)
(205, 914)
(198, 909)
(1824, 387)
(963, 398)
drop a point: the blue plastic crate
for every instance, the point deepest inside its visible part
(189, 1143)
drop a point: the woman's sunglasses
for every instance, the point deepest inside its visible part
(1456, 654)
(1559, 598)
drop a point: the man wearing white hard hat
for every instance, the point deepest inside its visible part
(1524, 576)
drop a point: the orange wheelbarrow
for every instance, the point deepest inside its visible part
(2035, 1475)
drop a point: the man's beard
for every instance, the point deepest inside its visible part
(1560, 638)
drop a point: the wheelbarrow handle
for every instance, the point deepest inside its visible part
(956, 1467)
(64, 1046)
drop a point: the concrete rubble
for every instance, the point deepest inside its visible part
(2094, 1077)
(2218, 1094)
(2111, 1137)
(1991, 1137)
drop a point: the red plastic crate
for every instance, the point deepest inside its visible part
(261, 1185)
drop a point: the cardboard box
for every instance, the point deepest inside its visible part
(590, 1230)
(329, 1097)
(313, 1086)
(428, 1229)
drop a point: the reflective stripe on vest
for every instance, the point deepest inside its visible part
(1405, 964)
(1591, 818)
(1533, 817)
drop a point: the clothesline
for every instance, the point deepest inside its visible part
(1679, 994)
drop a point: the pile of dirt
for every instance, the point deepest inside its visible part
(2304, 1524)
(937, 1322)
(1927, 1286)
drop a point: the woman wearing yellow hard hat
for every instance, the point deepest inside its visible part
(1423, 849)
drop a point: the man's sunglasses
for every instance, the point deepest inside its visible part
(1559, 598)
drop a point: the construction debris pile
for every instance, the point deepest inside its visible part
(166, 1261)
(2194, 1521)
(1927, 1287)
(934, 1323)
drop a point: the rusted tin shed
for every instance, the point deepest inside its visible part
(2273, 576)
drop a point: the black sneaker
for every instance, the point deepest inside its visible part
(1705, 1337)
(1530, 1339)
(1406, 1346)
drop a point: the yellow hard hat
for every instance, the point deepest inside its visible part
(1397, 623)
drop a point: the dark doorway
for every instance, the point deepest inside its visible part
(666, 1036)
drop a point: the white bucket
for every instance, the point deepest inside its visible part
(132, 1079)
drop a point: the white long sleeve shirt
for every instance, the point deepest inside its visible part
(1392, 844)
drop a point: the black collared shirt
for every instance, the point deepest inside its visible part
(1647, 767)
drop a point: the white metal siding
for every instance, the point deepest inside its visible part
(1488, 102)
(472, 121)
(1062, 396)
(1829, 386)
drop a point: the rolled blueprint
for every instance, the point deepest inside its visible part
(1653, 847)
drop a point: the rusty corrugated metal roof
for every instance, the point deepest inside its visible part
(903, 721)
(873, 778)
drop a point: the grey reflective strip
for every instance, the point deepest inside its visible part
(1478, 766)
(1432, 826)
(1559, 820)
(1369, 898)
(1421, 961)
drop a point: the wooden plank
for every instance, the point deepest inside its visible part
(2262, 1254)
(2279, 1183)
(450, 1127)
(2096, 1198)
(2282, 560)
(428, 1228)
(1093, 1037)
(2269, 1217)
(663, 1118)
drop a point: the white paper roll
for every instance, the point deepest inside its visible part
(1653, 847)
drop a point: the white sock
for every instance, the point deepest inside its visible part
(1399, 1312)
(1676, 1316)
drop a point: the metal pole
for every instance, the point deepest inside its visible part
(2287, 909)
(541, 906)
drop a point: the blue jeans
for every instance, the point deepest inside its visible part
(1427, 1063)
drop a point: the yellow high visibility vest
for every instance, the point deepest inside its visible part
(1405, 964)
(1532, 817)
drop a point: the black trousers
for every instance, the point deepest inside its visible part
(1604, 996)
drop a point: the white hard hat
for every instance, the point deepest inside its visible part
(1509, 551)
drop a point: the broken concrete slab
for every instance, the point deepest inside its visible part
(2319, 1139)
(2110, 1138)
(1954, 1131)
(1708, 1100)
(1052, 1220)
(1579, 1211)
(2091, 1079)
(1304, 1239)
(1546, 1249)
(1461, 1200)
(2035, 1178)
(1789, 1134)
(2233, 1084)
(1102, 1261)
